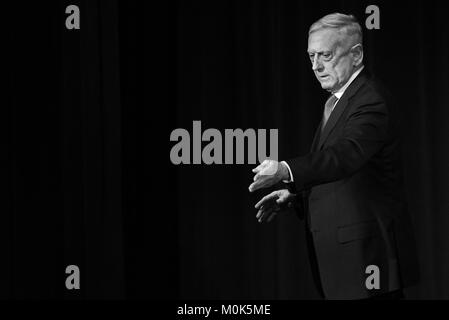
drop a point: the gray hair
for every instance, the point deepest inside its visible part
(346, 24)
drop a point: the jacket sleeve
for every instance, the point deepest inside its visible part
(364, 134)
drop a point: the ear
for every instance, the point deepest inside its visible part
(357, 54)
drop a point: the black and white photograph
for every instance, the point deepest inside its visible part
(226, 156)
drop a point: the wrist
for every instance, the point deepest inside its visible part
(285, 175)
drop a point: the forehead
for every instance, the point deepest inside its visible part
(323, 40)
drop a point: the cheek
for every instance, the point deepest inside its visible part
(333, 75)
(341, 70)
(330, 70)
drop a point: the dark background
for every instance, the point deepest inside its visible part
(87, 120)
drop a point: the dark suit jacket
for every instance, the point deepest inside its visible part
(351, 193)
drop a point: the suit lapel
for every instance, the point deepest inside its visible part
(341, 106)
(316, 138)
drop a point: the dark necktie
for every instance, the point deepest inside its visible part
(328, 109)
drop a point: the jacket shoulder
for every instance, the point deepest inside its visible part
(372, 91)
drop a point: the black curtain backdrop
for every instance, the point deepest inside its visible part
(87, 128)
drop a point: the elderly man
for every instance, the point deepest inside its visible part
(349, 187)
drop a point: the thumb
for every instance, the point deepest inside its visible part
(281, 198)
(259, 167)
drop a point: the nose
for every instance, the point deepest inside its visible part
(316, 64)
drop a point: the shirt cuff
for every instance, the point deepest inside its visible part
(289, 171)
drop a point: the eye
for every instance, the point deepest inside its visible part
(327, 55)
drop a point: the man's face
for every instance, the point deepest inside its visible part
(331, 60)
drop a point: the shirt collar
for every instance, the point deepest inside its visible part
(340, 92)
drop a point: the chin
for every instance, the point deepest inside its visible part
(326, 86)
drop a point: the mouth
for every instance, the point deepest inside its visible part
(323, 77)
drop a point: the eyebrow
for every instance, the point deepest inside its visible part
(319, 52)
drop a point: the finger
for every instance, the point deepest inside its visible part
(266, 212)
(263, 182)
(251, 187)
(273, 212)
(271, 196)
(259, 214)
(272, 216)
(260, 175)
(263, 213)
(260, 166)
(256, 185)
